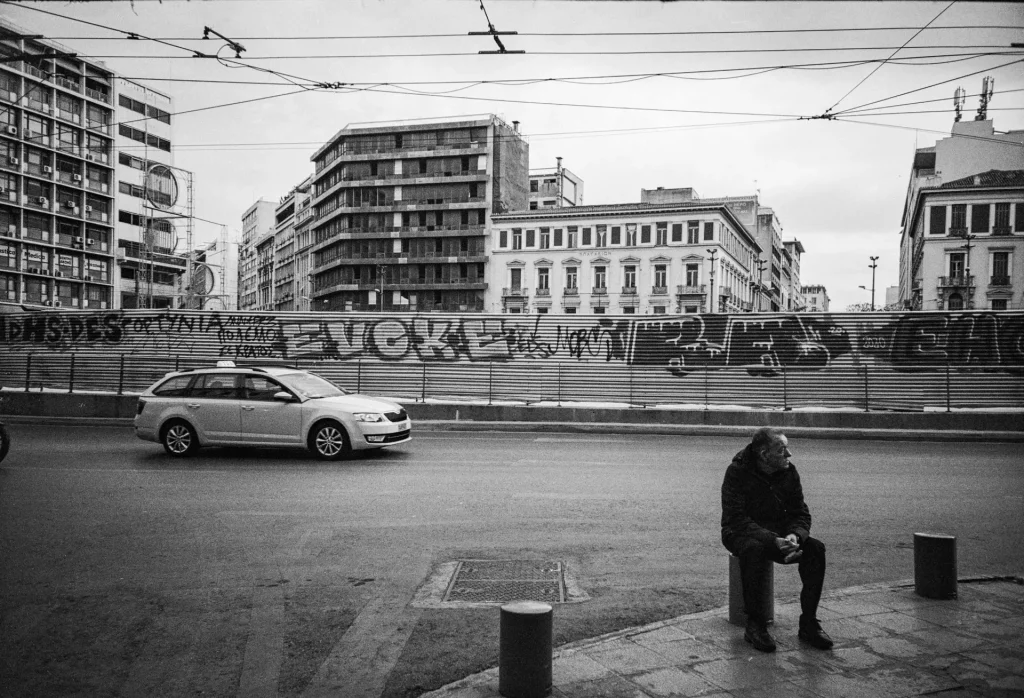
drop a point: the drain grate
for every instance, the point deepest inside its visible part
(501, 581)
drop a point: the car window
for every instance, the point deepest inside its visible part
(173, 387)
(311, 386)
(260, 388)
(215, 385)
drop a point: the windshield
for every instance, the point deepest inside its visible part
(309, 386)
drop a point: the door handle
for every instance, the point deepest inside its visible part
(248, 408)
(193, 405)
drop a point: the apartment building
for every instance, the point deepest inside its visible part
(792, 253)
(256, 257)
(292, 240)
(669, 256)
(963, 222)
(154, 203)
(555, 188)
(815, 298)
(401, 211)
(57, 193)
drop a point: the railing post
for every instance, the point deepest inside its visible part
(423, 394)
(630, 385)
(71, 376)
(359, 375)
(120, 378)
(785, 390)
(28, 372)
(707, 403)
(867, 404)
(949, 400)
(490, 381)
(559, 365)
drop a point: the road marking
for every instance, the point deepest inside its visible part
(264, 648)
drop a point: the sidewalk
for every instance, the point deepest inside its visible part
(889, 642)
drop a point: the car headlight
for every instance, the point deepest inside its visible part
(368, 417)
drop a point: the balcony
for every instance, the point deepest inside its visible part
(629, 290)
(999, 281)
(958, 232)
(725, 292)
(599, 291)
(1001, 230)
(956, 281)
(659, 290)
(570, 292)
(513, 292)
(698, 290)
(543, 292)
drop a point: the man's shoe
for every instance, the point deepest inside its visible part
(757, 634)
(812, 633)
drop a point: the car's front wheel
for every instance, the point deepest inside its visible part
(329, 441)
(179, 439)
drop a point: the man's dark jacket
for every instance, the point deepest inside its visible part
(762, 506)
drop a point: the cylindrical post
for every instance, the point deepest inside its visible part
(737, 609)
(631, 385)
(359, 375)
(120, 378)
(423, 385)
(71, 375)
(706, 403)
(490, 381)
(935, 565)
(28, 372)
(949, 402)
(524, 656)
(867, 404)
(559, 364)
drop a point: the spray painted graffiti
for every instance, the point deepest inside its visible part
(760, 345)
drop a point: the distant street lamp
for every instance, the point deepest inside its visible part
(711, 303)
(873, 265)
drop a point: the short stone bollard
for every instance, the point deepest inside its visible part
(524, 652)
(935, 565)
(737, 610)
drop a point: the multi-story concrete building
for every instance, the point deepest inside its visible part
(816, 298)
(792, 252)
(57, 193)
(963, 221)
(292, 240)
(555, 188)
(154, 204)
(402, 209)
(669, 256)
(254, 254)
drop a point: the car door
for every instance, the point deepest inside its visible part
(214, 407)
(266, 420)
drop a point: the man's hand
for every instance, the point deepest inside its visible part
(791, 546)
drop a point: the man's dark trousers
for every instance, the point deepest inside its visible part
(752, 553)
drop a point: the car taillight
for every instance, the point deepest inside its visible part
(142, 406)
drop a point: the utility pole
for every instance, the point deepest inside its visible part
(761, 264)
(873, 265)
(711, 303)
(968, 303)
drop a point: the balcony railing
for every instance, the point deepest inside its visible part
(1001, 230)
(570, 292)
(543, 291)
(958, 232)
(999, 281)
(629, 290)
(690, 290)
(956, 281)
(514, 292)
(725, 292)
(659, 290)
(599, 291)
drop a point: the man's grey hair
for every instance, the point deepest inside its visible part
(764, 437)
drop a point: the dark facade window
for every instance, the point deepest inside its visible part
(979, 218)
(959, 217)
(709, 231)
(1018, 225)
(1002, 215)
(938, 221)
(677, 232)
(645, 234)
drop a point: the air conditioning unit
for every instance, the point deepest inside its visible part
(91, 241)
(85, 302)
(103, 217)
(14, 161)
(3, 190)
(88, 209)
(103, 305)
(42, 200)
(47, 302)
(76, 210)
(47, 169)
(12, 130)
(79, 238)
(69, 204)
(90, 156)
(77, 177)
(60, 274)
(56, 304)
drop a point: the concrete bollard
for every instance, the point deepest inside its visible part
(737, 610)
(524, 653)
(935, 565)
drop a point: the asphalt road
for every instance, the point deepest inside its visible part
(251, 573)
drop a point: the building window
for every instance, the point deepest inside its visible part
(517, 239)
(959, 217)
(662, 234)
(534, 185)
(1018, 224)
(585, 240)
(677, 232)
(709, 230)
(616, 235)
(502, 239)
(645, 235)
(956, 264)
(601, 277)
(998, 304)
(543, 278)
(1000, 268)
(570, 236)
(629, 276)
(658, 310)
(631, 234)
(938, 221)
(692, 232)
(629, 310)
(979, 218)
(1002, 215)
(661, 275)
(570, 311)
(545, 238)
(516, 279)
(571, 277)
(558, 237)
(533, 205)
(956, 302)
(692, 275)
(599, 311)
(602, 236)
(531, 239)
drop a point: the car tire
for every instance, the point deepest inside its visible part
(328, 440)
(179, 438)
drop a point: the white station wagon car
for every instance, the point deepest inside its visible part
(233, 405)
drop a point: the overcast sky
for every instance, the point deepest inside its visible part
(726, 122)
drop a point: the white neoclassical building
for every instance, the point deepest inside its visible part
(640, 258)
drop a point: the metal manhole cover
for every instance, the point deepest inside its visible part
(501, 581)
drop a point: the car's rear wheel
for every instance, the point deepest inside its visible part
(179, 439)
(329, 441)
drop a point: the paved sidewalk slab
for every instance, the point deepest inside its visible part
(890, 643)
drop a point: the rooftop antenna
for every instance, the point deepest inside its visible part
(986, 94)
(958, 102)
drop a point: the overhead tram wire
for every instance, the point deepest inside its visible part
(879, 66)
(722, 32)
(950, 134)
(924, 101)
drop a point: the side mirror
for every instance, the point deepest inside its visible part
(283, 396)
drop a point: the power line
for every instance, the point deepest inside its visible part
(879, 66)
(723, 32)
(924, 101)
(986, 139)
